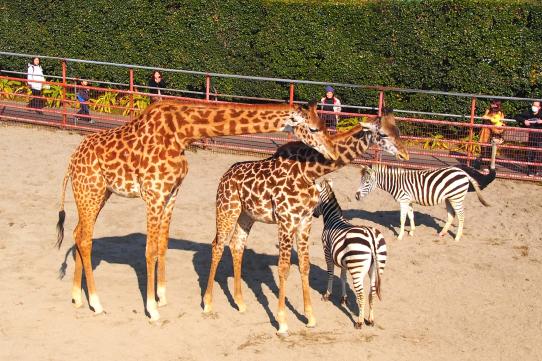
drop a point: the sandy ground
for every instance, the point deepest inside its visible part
(478, 299)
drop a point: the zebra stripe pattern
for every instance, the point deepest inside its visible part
(359, 250)
(425, 187)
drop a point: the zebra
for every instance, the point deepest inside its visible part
(425, 187)
(358, 249)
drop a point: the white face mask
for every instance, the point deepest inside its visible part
(535, 109)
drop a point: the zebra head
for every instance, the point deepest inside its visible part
(386, 135)
(326, 195)
(367, 183)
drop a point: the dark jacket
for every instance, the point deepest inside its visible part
(153, 84)
(82, 95)
(528, 114)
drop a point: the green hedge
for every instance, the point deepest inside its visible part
(476, 46)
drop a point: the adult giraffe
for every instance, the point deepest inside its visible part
(281, 190)
(144, 158)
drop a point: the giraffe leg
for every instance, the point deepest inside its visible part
(77, 299)
(344, 299)
(285, 242)
(89, 204)
(155, 211)
(237, 246)
(304, 268)
(162, 249)
(451, 212)
(227, 214)
(404, 211)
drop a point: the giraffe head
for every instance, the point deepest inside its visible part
(367, 182)
(311, 130)
(385, 134)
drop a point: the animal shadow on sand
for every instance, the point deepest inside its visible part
(257, 270)
(390, 219)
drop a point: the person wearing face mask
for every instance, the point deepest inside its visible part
(493, 116)
(532, 119)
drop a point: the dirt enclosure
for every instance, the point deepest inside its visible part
(478, 299)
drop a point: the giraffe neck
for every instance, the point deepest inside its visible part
(190, 122)
(314, 165)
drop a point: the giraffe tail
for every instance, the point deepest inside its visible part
(61, 213)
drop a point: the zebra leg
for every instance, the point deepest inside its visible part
(411, 220)
(451, 213)
(404, 211)
(372, 272)
(460, 212)
(357, 280)
(343, 287)
(330, 269)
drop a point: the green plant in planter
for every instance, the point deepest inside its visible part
(436, 142)
(104, 102)
(346, 124)
(9, 89)
(140, 103)
(53, 95)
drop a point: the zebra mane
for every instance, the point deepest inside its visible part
(384, 169)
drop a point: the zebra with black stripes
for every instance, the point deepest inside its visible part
(359, 250)
(425, 187)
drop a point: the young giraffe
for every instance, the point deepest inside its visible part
(281, 190)
(145, 158)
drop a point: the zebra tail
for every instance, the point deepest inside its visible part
(376, 265)
(478, 191)
(62, 213)
(482, 179)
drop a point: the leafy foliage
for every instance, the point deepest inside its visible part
(476, 46)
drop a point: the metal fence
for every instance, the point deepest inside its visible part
(434, 139)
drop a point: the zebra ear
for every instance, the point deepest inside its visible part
(320, 186)
(364, 170)
(329, 182)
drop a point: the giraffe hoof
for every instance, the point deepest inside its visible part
(154, 315)
(208, 308)
(162, 302)
(370, 323)
(358, 325)
(242, 307)
(77, 303)
(312, 322)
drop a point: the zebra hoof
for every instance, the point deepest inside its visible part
(358, 325)
(344, 301)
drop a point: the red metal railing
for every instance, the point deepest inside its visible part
(431, 142)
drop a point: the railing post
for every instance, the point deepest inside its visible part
(380, 103)
(470, 146)
(64, 90)
(131, 94)
(378, 154)
(207, 87)
(291, 101)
